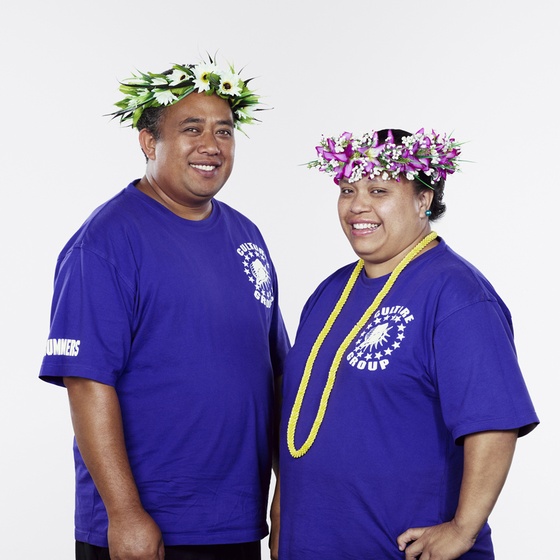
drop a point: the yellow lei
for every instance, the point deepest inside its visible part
(296, 409)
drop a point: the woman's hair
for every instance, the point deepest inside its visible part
(437, 207)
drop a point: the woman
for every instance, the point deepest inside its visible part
(403, 397)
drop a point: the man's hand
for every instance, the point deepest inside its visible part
(134, 536)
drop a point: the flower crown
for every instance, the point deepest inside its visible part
(354, 158)
(169, 87)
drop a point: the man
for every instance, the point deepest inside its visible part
(166, 331)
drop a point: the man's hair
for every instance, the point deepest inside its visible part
(151, 120)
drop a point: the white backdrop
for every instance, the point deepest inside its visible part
(486, 71)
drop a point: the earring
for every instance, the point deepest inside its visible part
(428, 213)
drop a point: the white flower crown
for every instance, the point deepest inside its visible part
(157, 90)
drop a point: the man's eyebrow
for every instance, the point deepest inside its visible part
(191, 120)
(198, 120)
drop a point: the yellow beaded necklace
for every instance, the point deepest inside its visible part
(296, 409)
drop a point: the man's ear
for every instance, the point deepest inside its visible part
(147, 143)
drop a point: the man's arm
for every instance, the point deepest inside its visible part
(97, 421)
(488, 457)
(275, 521)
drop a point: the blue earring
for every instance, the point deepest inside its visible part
(428, 213)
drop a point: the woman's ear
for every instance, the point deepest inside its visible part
(425, 197)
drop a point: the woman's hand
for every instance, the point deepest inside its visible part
(440, 542)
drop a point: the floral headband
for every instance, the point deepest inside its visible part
(352, 159)
(157, 90)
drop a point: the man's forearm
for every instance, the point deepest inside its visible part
(97, 421)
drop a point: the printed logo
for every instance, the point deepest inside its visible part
(62, 347)
(258, 271)
(380, 339)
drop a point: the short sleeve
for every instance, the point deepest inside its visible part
(480, 383)
(91, 320)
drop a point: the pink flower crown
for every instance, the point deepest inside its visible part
(352, 159)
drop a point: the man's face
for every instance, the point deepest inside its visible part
(193, 157)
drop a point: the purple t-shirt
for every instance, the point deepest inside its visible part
(182, 318)
(436, 362)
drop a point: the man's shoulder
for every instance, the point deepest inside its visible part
(123, 203)
(228, 210)
(234, 216)
(106, 223)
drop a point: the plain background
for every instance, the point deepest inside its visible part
(486, 71)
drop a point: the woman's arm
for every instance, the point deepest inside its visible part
(488, 457)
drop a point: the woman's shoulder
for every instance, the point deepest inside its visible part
(457, 282)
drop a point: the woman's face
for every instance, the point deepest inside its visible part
(383, 220)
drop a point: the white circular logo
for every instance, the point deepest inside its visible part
(381, 337)
(258, 272)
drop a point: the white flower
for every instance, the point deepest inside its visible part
(202, 76)
(372, 152)
(139, 97)
(229, 84)
(164, 97)
(357, 174)
(178, 76)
